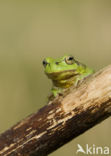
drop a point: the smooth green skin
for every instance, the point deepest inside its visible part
(64, 75)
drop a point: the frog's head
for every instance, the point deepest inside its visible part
(59, 65)
(63, 68)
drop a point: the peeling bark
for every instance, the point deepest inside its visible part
(63, 119)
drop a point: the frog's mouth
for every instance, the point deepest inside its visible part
(63, 75)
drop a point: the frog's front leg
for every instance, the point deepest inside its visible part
(56, 91)
(79, 79)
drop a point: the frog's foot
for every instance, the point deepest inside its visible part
(79, 80)
(56, 91)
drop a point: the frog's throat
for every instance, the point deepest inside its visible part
(64, 83)
(64, 79)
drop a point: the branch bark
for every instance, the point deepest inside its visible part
(62, 119)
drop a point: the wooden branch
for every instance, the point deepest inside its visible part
(62, 119)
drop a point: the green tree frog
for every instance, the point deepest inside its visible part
(65, 72)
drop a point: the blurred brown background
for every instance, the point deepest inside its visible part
(33, 30)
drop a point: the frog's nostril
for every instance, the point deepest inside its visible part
(57, 63)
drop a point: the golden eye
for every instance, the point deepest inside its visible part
(44, 63)
(69, 59)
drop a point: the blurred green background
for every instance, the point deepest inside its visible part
(33, 30)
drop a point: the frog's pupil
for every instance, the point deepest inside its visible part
(71, 58)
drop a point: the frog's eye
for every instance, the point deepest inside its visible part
(45, 63)
(69, 59)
